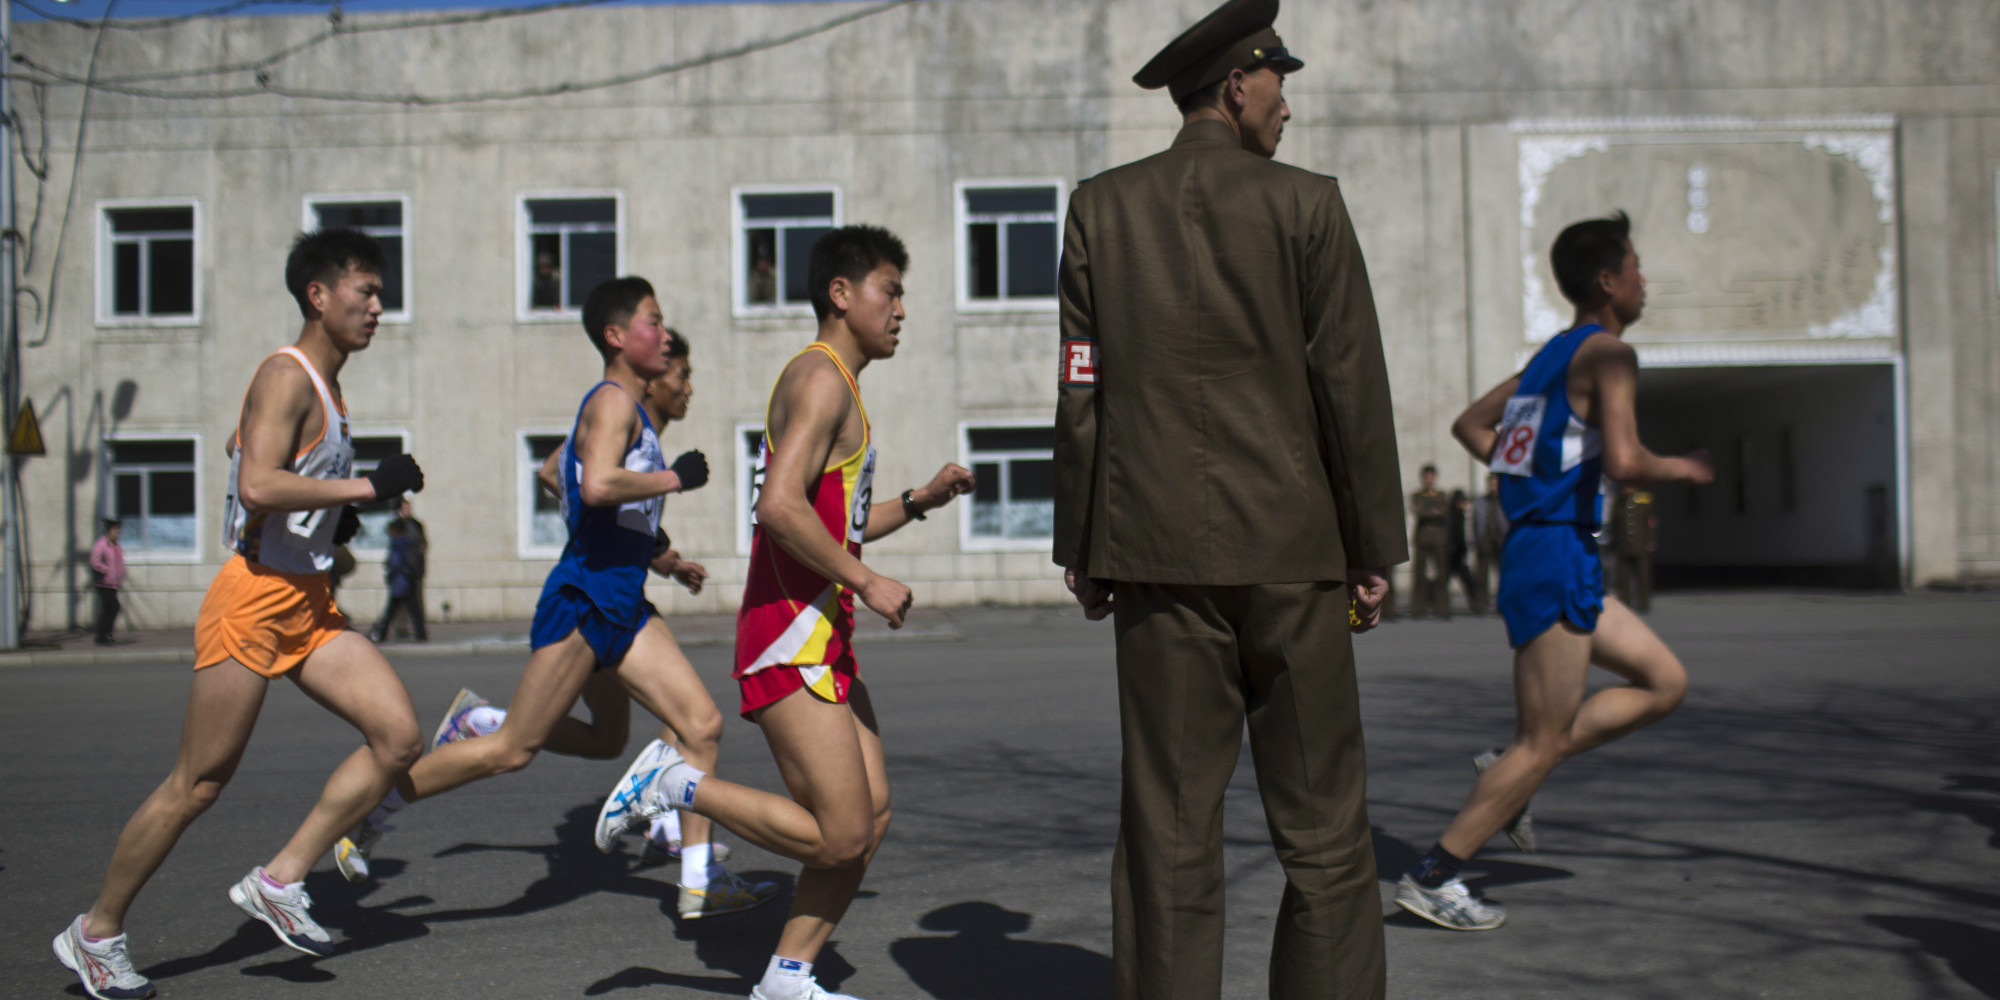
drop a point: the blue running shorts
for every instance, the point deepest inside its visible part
(1549, 573)
(565, 609)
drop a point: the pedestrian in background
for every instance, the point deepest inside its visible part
(1457, 544)
(107, 575)
(1429, 576)
(1632, 542)
(419, 562)
(400, 571)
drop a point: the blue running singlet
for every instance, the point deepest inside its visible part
(598, 585)
(1550, 464)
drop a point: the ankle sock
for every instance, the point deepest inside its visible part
(666, 828)
(485, 719)
(273, 883)
(390, 806)
(678, 783)
(694, 865)
(785, 978)
(1436, 867)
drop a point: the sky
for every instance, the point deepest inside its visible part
(37, 10)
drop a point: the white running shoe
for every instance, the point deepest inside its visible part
(1452, 905)
(726, 893)
(350, 854)
(105, 967)
(1520, 829)
(455, 725)
(282, 910)
(624, 806)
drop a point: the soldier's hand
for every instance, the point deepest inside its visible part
(950, 481)
(1095, 598)
(1701, 468)
(1369, 587)
(885, 597)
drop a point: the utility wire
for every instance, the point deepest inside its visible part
(75, 166)
(266, 88)
(151, 23)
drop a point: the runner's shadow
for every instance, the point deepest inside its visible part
(981, 962)
(1985, 813)
(1973, 953)
(576, 869)
(739, 944)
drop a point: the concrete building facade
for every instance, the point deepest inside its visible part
(1814, 188)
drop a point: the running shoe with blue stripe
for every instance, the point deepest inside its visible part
(1453, 905)
(455, 727)
(624, 806)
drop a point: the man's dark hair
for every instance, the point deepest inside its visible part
(1432, 469)
(850, 252)
(112, 522)
(677, 344)
(612, 304)
(1587, 249)
(1205, 97)
(325, 256)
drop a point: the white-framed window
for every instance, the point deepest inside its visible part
(385, 217)
(775, 228)
(1009, 244)
(542, 532)
(370, 448)
(149, 262)
(749, 447)
(1013, 504)
(152, 485)
(570, 243)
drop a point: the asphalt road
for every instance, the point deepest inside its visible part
(1819, 820)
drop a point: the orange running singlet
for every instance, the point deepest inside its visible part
(796, 627)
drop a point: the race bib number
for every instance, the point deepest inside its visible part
(1514, 452)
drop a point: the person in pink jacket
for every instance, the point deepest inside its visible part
(107, 574)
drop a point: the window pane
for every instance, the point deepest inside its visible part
(593, 260)
(753, 444)
(370, 450)
(1031, 479)
(173, 493)
(986, 487)
(541, 446)
(170, 280)
(1033, 519)
(392, 273)
(131, 490)
(125, 279)
(152, 220)
(761, 284)
(175, 532)
(802, 205)
(360, 215)
(152, 452)
(982, 258)
(993, 201)
(546, 292)
(798, 254)
(545, 212)
(546, 530)
(374, 533)
(1031, 259)
(1012, 438)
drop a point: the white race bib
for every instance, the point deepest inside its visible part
(1514, 452)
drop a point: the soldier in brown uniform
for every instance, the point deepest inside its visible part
(1226, 463)
(1632, 526)
(1429, 578)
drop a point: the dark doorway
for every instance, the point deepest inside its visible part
(1805, 491)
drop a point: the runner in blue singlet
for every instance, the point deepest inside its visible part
(1552, 433)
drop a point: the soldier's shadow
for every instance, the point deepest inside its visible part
(981, 962)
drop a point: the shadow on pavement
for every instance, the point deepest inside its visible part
(1973, 953)
(980, 962)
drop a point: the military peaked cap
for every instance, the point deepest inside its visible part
(1236, 35)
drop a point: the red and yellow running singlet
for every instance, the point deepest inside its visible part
(792, 616)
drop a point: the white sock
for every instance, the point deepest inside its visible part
(485, 719)
(678, 784)
(666, 828)
(389, 807)
(694, 865)
(785, 978)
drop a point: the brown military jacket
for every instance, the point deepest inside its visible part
(1224, 410)
(1431, 508)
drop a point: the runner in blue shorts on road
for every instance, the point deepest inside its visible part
(1552, 433)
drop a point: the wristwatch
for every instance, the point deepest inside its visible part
(910, 508)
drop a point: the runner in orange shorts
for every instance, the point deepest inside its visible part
(269, 614)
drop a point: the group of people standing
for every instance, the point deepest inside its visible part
(1448, 529)
(1226, 492)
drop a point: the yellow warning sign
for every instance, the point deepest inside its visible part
(26, 437)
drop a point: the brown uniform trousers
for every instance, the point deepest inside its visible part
(1223, 439)
(1430, 573)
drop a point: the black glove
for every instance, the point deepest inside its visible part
(692, 467)
(350, 523)
(396, 474)
(661, 543)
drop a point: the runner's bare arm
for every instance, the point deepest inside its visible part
(885, 516)
(550, 474)
(603, 434)
(275, 415)
(1478, 427)
(1614, 368)
(811, 405)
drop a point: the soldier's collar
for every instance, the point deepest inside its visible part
(1208, 131)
